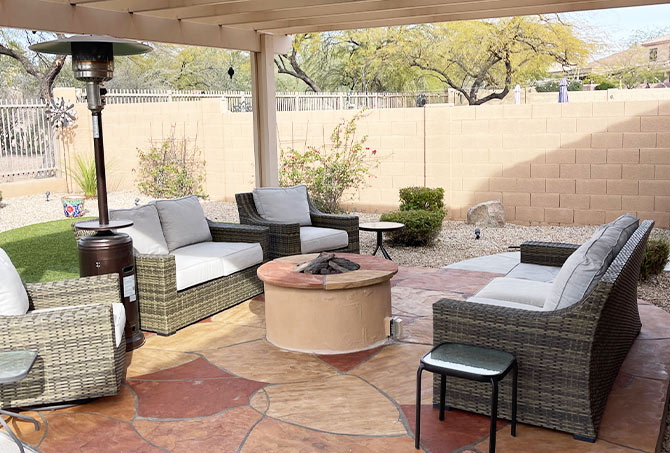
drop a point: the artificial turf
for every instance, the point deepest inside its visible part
(43, 252)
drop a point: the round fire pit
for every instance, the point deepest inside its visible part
(328, 314)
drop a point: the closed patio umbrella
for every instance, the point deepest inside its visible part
(517, 94)
(563, 91)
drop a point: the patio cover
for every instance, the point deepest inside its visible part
(261, 27)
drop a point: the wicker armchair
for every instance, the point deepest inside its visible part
(165, 310)
(568, 358)
(77, 356)
(285, 237)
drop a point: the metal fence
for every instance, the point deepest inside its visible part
(241, 101)
(27, 147)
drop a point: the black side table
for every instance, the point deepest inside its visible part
(14, 366)
(380, 228)
(468, 362)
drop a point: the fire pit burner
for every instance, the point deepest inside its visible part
(327, 264)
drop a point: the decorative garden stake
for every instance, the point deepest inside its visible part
(62, 117)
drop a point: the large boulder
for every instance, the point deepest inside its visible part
(489, 213)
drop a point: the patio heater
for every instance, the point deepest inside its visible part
(105, 251)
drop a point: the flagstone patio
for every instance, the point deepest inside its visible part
(220, 386)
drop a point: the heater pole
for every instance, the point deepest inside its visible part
(99, 150)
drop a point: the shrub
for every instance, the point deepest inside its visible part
(84, 175)
(605, 85)
(171, 168)
(328, 173)
(655, 258)
(421, 226)
(553, 86)
(424, 198)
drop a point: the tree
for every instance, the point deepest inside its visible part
(42, 68)
(290, 64)
(474, 55)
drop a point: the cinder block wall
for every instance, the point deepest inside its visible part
(577, 163)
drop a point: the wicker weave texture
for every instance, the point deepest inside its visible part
(285, 237)
(77, 357)
(165, 310)
(568, 359)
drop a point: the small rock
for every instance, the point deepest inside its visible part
(489, 213)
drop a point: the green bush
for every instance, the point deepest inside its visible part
(84, 175)
(605, 85)
(553, 86)
(171, 168)
(655, 257)
(421, 226)
(421, 198)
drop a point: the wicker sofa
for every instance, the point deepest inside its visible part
(568, 358)
(75, 341)
(166, 304)
(285, 239)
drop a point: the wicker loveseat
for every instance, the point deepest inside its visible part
(285, 238)
(171, 296)
(75, 341)
(568, 358)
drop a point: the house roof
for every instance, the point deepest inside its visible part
(657, 41)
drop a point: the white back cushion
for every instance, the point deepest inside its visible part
(13, 296)
(146, 232)
(516, 290)
(582, 271)
(183, 222)
(626, 226)
(283, 204)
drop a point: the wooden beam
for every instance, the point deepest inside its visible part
(350, 23)
(65, 18)
(265, 114)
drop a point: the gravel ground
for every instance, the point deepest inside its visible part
(455, 243)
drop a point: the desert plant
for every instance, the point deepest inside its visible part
(655, 258)
(329, 172)
(171, 168)
(421, 226)
(84, 175)
(605, 85)
(413, 198)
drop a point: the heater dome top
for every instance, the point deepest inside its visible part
(120, 47)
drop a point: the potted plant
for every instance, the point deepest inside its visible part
(73, 205)
(84, 175)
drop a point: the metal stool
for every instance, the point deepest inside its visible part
(468, 362)
(14, 366)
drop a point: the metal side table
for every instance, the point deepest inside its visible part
(379, 228)
(14, 366)
(468, 362)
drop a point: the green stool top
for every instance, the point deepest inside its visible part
(468, 361)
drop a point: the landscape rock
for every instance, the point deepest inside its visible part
(489, 213)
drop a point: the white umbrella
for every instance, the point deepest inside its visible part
(517, 94)
(563, 91)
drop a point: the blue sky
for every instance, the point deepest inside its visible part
(617, 25)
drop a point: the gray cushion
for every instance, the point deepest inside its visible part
(502, 303)
(582, 271)
(13, 296)
(146, 232)
(199, 263)
(516, 290)
(315, 239)
(626, 226)
(183, 222)
(283, 204)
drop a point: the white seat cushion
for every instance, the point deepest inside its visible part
(146, 232)
(535, 272)
(13, 296)
(502, 303)
(118, 315)
(205, 261)
(283, 204)
(183, 222)
(315, 239)
(516, 290)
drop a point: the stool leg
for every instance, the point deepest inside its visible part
(515, 373)
(417, 434)
(494, 416)
(443, 390)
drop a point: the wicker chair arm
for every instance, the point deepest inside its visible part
(340, 222)
(546, 253)
(52, 333)
(512, 329)
(79, 291)
(222, 232)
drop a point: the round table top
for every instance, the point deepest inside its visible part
(381, 226)
(281, 272)
(95, 225)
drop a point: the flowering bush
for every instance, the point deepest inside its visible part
(328, 173)
(171, 168)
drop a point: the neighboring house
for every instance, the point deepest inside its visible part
(652, 55)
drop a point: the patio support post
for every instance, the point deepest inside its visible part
(264, 113)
